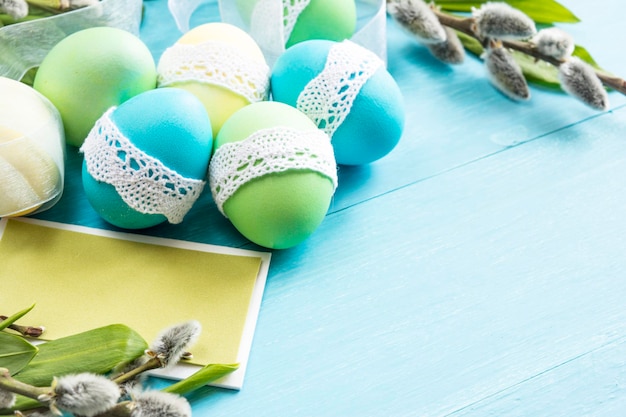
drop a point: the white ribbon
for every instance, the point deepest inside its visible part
(25, 45)
(371, 24)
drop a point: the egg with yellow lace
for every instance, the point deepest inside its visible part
(145, 161)
(221, 65)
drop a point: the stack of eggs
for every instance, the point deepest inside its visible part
(155, 134)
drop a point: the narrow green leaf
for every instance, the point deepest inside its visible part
(15, 317)
(205, 375)
(538, 72)
(97, 351)
(544, 11)
(15, 352)
(471, 44)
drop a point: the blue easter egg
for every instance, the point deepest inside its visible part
(167, 124)
(375, 122)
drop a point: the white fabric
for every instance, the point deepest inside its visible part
(292, 9)
(142, 181)
(25, 45)
(327, 99)
(182, 11)
(268, 28)
(215, 63)
(269, 151)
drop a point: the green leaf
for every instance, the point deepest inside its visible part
(541, 11)
(97, 351)
(538, 72)
(15, 352)
(471, 44)
(207, 374)
(15, 317)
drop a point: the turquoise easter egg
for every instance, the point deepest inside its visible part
(272, 174)
(146, 160)
(347, 91)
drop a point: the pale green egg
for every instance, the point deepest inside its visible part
(92, 70)
(277, 210)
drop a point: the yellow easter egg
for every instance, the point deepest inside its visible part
(31, 150)
(221, 65)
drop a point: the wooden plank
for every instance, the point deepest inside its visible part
(437, 296)
(589, 385)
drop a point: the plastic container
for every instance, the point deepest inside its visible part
(32, 151)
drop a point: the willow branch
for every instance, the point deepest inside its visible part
(31, 331)
(465, 25)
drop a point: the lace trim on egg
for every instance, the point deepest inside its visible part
(286, 11)
(269, 151)
(215, 63)
(142, 181)
(292, 9)
(328, 98)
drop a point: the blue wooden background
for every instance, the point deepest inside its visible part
(477, 270)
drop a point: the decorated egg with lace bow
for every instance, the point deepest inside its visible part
(346, 91)
(221, 65)
(273, 174)
(145, 161)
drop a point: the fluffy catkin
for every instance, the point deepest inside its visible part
(17, 9)
(7, 398)
(501, 21)
(160, 404)
(580, 80)
(450, 51)
(418, 18)
(84, 394)
(170, 345)
(505, 74)
(554, 42)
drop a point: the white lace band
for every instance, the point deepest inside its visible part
(292, 8)
(327, 99)
(142, 181)
(215, 63)
(269, 151)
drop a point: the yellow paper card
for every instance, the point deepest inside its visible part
(82, 278)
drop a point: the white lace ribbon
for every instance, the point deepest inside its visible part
(142, 181)
(215, 63)
(327, 99)
(269, 151)
(265, 15)
(292, 8)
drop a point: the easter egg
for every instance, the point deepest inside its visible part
(31, 150)
(347, 91)
(272, 174)
(221, 65)
(91, 70)
(305, 19)
(146, 160)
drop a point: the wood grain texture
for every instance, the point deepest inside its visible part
(477, 270)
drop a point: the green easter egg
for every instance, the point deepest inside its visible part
(333, 20)
(90, 71)
(277, 210)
